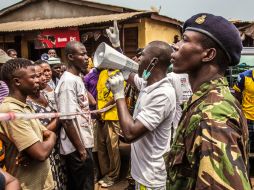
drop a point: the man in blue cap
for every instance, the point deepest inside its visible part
(210, 147)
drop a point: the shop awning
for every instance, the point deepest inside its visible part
(66, 22)
(248, 30)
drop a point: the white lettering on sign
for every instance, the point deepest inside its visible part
(62, 39)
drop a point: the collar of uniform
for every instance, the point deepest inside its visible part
(150, 88)
(204, 89)
(15, 101)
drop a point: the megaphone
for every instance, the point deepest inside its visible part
(106, 57)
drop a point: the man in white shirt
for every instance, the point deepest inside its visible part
(181, 84)
(149, 129)
(76, 137)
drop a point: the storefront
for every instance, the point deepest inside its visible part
(33, 37)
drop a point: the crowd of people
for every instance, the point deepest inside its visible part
(186, 130)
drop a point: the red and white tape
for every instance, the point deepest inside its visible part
(15, 116)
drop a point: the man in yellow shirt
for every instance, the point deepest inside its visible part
(108, 130)
(244, 91)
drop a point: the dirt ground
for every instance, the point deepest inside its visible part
(118, 186)
(123, 183)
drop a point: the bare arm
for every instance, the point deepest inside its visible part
(41, 150)
(11, 183)
(92, 101)
(111, 102)
(132, 129)
(52, 126)
(74, 138)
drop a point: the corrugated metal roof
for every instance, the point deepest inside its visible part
(65, 22)
(90, 3)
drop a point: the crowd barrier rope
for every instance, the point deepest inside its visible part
(24, 116)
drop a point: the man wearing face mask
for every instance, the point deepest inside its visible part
(149, 128)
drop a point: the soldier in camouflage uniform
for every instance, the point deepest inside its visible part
(210, 147)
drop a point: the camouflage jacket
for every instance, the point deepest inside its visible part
(210, 147)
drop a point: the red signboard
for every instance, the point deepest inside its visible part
(56, 38)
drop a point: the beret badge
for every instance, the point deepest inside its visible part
(201, 19)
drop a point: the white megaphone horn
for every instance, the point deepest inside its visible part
(106, 57)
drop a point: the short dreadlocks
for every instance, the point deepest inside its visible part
(11, 66)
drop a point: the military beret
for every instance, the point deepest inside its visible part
(223, 32)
